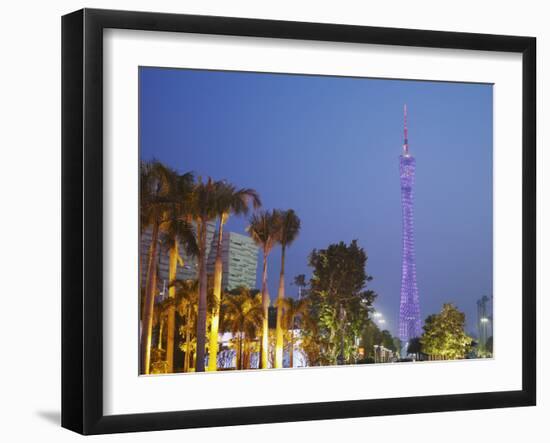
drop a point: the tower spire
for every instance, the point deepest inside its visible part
(409, 307)
(405, 131)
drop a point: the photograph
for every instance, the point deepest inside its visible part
(255, 221)
(294, 220)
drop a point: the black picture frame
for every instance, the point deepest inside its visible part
(82, 218)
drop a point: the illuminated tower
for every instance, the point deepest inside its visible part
(409, 309)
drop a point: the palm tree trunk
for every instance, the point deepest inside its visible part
(243, 344)
(279, 342)
(171, 323)
(265, 324)
(161, 325)
(239, 362)
(147, 320)
(246, 354)
(215, 324)
(201, 319)
(187, 340)
(291, 351)
(144, 266)
(148, 263)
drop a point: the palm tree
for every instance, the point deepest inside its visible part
(300, 282)
(187, 295)
(178, 229)
(243, 316)
(157, 198)
(205, 197)
(293, 309)
(251, 343)
(230, 200)
(159, 320)
(289, 230)
(264, 230)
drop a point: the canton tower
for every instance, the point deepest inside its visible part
(409, 309)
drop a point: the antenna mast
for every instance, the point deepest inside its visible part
(405, 132)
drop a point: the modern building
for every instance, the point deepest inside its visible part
(239, 258)
(240, 261)
(187, 271)
(409, 309)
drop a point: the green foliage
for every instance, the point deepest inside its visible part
(415, 347)
(294, 311)
(159, 186)
(444, 335)
(300, 280)
(264, 228)
(387, 340)
(178, 228)
(371, 335)
(242, 309)
(289, 227)
(230, 200)
(397, 345)
(340, 304)
(158, 365)
(242, 316)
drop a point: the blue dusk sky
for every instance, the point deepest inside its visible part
(328, 147)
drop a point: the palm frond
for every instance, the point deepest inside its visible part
(264, 228)
(289, 227)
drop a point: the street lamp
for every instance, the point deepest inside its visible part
(379, 318)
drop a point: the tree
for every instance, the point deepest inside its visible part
(414, 347)
(158, 185)
(370, 336)
(293, 309)
(444, 335)
(397, 345)
(187, 297)
(205, 205)
(387, 340)
(341, 302)
(179, 229)
(229, 200)
(311, 336)
(289, 228)
(264, 230)
(300, 282)
(243, 316)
